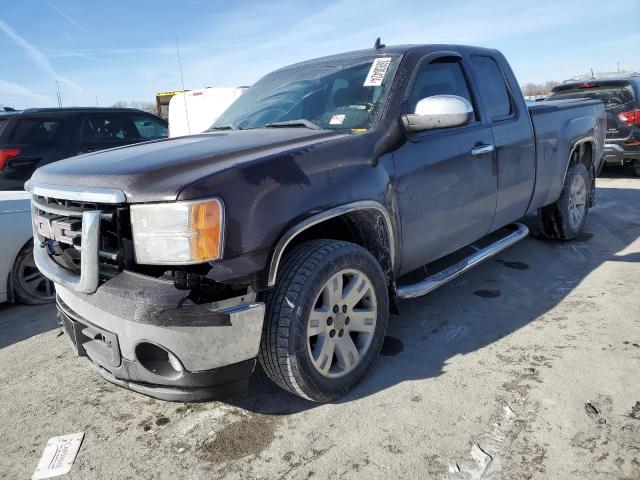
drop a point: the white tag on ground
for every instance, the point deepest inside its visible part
(58, 456)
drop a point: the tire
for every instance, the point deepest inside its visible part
(565, 219)
(29, 285)
(291, 354)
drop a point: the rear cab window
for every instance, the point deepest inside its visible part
(493, 88)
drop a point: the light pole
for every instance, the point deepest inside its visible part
(59, 97)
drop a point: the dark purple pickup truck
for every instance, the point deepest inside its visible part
(286, 234)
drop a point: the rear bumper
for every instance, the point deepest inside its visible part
(613, 154)
(617, 154)
(138, 335)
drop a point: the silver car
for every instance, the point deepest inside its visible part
(19, 278)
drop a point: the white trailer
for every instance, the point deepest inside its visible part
(194, 111)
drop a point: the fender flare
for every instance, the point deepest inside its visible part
(588, 139)
(290, 234)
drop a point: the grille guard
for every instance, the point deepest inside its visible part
(87, 281)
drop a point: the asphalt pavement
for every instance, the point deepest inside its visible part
(527, 367)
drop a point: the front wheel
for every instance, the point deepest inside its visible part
(565, 219)
(326, 319)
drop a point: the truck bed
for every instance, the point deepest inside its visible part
(558, 124)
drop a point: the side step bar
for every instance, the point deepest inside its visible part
(436, 280)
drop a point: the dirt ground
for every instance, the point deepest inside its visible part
(528, 367)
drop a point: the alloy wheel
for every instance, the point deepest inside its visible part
(342, 323)
(577, 200)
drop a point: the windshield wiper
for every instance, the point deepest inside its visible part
(303, 122)
(226, 126)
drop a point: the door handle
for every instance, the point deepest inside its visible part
(482, 149)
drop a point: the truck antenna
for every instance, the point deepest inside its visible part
(378, 45)
(184, 97)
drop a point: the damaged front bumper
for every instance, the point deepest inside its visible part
(140, 333)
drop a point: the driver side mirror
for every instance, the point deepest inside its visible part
(438, 111)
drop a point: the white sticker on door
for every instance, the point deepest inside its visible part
(377, 72)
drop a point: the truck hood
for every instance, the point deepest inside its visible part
(157, 171)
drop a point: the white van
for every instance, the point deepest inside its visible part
(194, 111)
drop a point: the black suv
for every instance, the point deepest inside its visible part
(621, 98)
(32, 138)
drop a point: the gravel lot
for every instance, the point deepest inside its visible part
(526, 367)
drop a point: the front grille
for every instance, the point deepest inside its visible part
(115, 244)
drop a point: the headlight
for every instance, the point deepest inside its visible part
(177, 233)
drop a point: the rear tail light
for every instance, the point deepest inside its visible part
(632, 117)
(6, 154)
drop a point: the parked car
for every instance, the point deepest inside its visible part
(35, 137)
(19, 277)
(311, 208)
(621, 98)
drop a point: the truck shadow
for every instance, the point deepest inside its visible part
(519, 286)
(618, 171)
(20, 322)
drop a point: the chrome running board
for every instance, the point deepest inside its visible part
(436, 280)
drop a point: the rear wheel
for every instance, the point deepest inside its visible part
(565, 219)
(29, 285)
(326, 319)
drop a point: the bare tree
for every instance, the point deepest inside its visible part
(549, 85)
(143, 105)
(536, 89)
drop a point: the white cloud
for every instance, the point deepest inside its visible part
(36, 56)
(67, 17)
(10, 89)
(239, 44)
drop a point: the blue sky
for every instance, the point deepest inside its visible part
(125, 50)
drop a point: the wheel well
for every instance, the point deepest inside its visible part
(367, 228)
(582, 152)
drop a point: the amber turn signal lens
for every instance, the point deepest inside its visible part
(178, 233)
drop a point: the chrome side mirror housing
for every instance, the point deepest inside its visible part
(438, 111)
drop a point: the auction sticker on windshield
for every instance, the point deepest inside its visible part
(377, 72)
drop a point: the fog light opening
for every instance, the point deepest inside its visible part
(158, 360)
(175, 363)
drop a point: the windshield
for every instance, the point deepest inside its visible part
(330, 94)
(611, 95)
